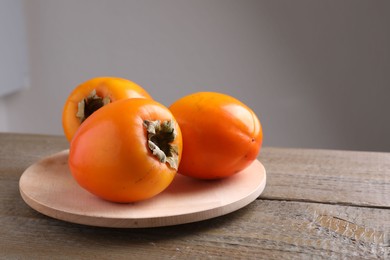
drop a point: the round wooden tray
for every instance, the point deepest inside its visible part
(48, 187)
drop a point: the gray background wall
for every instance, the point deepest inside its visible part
(317, 73)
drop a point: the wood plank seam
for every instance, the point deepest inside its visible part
(265, 197)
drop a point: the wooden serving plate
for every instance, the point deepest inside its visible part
(48, 187)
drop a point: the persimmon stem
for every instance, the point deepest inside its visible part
(90, 104)
(160, 138)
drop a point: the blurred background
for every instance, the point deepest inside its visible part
(317, 73)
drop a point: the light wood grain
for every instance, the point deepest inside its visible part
(48, 187)
(327, 176)
(315, 206)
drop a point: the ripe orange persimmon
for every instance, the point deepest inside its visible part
(221, 135)
(93, 94)
(126, 151)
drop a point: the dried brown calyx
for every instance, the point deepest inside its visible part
(90, 104)
(160, 138)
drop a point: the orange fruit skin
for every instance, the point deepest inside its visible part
(221, 135)
(109, 154)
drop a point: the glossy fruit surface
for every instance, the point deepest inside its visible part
(221, 135)
(91, 95)
(126, 151)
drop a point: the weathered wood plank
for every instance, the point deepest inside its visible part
(327, 176)
(284, 223)
(18, 151)
(262, 230)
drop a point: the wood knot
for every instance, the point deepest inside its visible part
(351, 230)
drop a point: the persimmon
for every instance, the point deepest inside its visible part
(221, 135)
(91, 95)
(126, 151)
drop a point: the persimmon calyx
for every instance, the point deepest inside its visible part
(90, 104)
(160, 138)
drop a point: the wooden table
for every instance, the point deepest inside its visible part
(317, 204)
